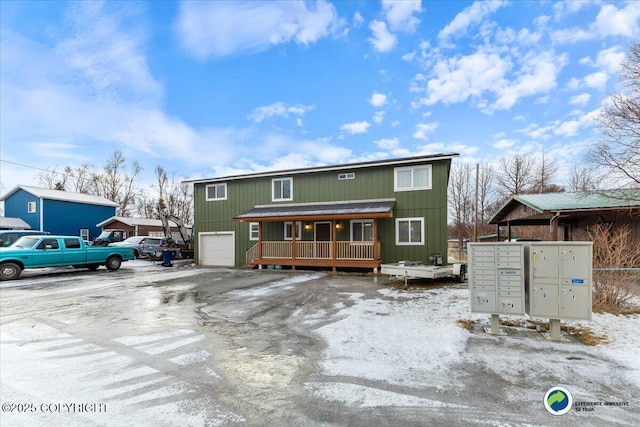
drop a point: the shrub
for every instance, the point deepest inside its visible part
(615, 254)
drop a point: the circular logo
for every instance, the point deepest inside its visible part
(558, 401)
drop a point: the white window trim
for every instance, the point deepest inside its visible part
(399, 243)
(298, 230)
(251, 230)
(412, 188)
(31, 207)
(215, 199)
(358, 221)
(273, 189)
(346, 175)
(84, 233)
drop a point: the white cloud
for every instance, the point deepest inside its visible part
(378, 117)
(382, 40)
(610, 21)
(378, 99)
(486, 73)
(387, 144)
(504, 143)
(279, 109)
(357, 20)
(400, 14)
(356, 127)
(225, 28)
(581, 99)
(422, 129)
(473, 14)
(596, 80)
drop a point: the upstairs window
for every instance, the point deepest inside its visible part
(412, 178)
(217, 192)
(282, 189)
(31, 207)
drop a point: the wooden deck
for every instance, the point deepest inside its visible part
(332, 254)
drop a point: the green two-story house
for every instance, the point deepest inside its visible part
(355, 215)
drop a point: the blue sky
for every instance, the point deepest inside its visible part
(213, 88)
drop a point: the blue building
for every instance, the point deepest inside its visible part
(58, 212)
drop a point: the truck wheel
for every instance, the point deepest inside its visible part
(9, 271)
(113, 263)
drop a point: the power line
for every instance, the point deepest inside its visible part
(31, 167)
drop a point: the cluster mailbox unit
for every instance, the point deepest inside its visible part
(540, 279)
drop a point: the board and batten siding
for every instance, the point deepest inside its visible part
(371, 182)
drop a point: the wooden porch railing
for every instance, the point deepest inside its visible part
(311, 250)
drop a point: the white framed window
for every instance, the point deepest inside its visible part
(288, 227)
(412, 178)
(216, 191)
(281, 189)
(347, 175)
(84, 234)
(362, 230)
(31, 207)
(254, 231)
(409, 231)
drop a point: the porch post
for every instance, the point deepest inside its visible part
(293, 243)
(334, 243)
(260, 240)
(376, 255)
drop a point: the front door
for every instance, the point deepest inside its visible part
(322, 247)
(323, 231)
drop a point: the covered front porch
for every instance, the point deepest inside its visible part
(333, 235)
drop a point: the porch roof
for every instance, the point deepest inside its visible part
(357, 209)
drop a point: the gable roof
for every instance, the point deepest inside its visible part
(65, 196)
(347, 166)
(132, 222)
(547, 204)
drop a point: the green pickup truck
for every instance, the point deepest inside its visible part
(58, 251)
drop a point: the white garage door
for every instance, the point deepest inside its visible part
(217, 249)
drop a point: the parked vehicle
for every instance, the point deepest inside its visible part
(57, 251)
(152, 247)
(109, 236)
(8, 237)
(136, 243)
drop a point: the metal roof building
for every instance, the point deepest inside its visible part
(567, 213)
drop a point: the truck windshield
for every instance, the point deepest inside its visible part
(104, 235)
(25, 242)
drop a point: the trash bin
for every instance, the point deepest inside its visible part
(168, 255)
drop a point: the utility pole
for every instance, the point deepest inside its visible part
(475, 226)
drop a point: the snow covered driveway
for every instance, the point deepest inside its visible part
(205, 347)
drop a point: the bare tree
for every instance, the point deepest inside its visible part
(516, 174)
(486, 197)
(116, 184)
(51, 179)
(581, 178)
(618, 152)
(461, 196)
(174, 197)
(545, 171)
